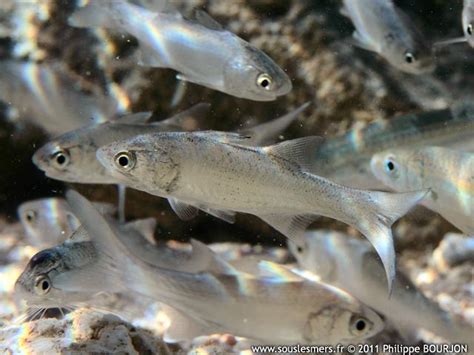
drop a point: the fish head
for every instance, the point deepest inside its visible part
(468, 22)
(144, 162)
(397, 170)
(345, 322)
(36, 285)
(71, 157)
(47, 221)
(412, 59)
(255, 76)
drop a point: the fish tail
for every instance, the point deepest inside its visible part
(94, 14)
(384, 209)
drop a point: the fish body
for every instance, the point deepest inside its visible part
(71, 157)
(51, 99)
(211, 171)
(286, 308)
(202, 52)
(449, 174)
(350, 264)
(383, 28)
(346, 159)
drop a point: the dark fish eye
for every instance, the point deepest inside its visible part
(299, 249)
(409, 58)
(390, 166)
(61, 158)
(42, 285)
(469, 29)
(30, 216)
(264, 81)
(125, 160)
(358, 325)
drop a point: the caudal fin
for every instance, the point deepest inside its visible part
(384, 209)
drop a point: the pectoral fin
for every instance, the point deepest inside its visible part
(184, 211)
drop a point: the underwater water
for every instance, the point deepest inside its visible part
(245, 160)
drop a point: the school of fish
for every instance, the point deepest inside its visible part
(339, 289)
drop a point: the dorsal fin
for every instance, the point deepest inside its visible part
(204, 19)
(301, 151)
(191, 119)
(268, 132)
(134, 118)
(274, 270)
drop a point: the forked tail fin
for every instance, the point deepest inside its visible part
(384, 209)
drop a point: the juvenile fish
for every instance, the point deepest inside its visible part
(214, 172)
(71, 157)
(345, 159)
(383, 28)
(449, 175)
(350, 264)
(201, 52)
(285, 308)
(51, 99)
(49, 221)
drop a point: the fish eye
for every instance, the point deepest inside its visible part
(469, 29)
(61, 159)
(265, 81)
(359, 325)
(391, 167)
(30, 216)
(409, 58)
(125, 160)
(42, 285)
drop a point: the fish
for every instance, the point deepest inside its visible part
(214, 172)
(49, 221)
(345, 159)
(351, 265)
(448, 173)
(467, 18)
(49, 97)
(383, 28)
(283, 307)
(71, 157)
(201, 51)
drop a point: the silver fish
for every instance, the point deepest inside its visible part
(46, 221)
(383, 28)
(350, 264)
(51, 99)
(202, 52)
(71, 157)
(284, 307)
(346, 159)
(214, 172)
(449, 174)
(49, 221)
